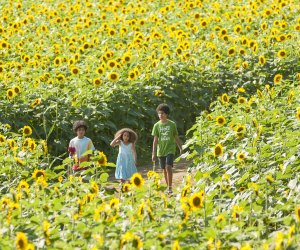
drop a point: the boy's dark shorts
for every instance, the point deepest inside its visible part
(166, 160)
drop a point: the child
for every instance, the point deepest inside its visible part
(127, 158)
(79, 145)
(164, 143)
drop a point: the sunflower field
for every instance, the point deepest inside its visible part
(230, 72)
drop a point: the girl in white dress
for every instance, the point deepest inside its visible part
(127, 158)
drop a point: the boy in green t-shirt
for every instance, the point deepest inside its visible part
(164, 143)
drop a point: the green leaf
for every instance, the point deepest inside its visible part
(104, 177)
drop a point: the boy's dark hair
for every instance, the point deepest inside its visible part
(79, 124)
(163, 107)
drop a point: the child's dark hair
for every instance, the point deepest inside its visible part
(163, 107)
(79, 124)
(132, 135)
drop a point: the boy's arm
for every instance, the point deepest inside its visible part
(134, 153)
(178, 143)
(155, 140)
(115, 141)
(90, 147)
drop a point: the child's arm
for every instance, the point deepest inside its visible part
(90, 147)
(115, 141)
(134, 153)
(178, 143)
(155, 140)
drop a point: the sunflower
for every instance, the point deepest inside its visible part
(179, 51)
(131, 75)
(176, 245)
(298, 113)
(137, 180)
(60, 77)
(97, 82)
(242, 51)
(71, 61)
(264, 26)
(10, 93)
(209, 117)
(102, 159)
(141, 210)
(237, 29)
(231, 52)
(39, 173)
(60, 179)
(113, 76)
(7, 126)
(126, 188)
(254, 122)
(134, 240)
(159, 93)
(23, 185)
(94, 188)
(222, 32)
(297, 211)
(100, 70)
(74, 70)
(220, 218)
(242, 100)
(126, 58)
(218, 150)
(277, 78)
(57, 61)
(12, 144)
(281, 53)
(241, 157)
(4, 44)
(17, 89)
(240, 131)
(203, 23)
(86, 45)
(36, 102)
(225, 38)
(19, 161)
(2, 140)
(114, 203)
(261, 60)
(281, 38)
(46, 227)
(196, 200)
(111, 32)
(220, 120)
(27, 130)
(111, 64)
(269, 179)
(241, 90)
(245, 65)
(30, 246)
(21, 241)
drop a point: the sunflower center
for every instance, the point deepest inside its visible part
(218, 150)
(38, 174)
(196, 201)
(137, 181)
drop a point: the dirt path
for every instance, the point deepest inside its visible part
(179, 171)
